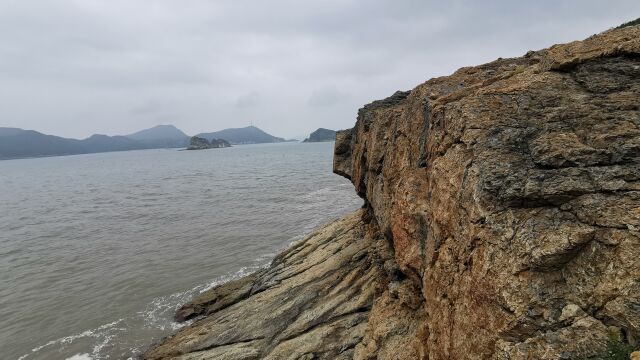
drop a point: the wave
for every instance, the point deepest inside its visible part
(157, 315)
(103, 331)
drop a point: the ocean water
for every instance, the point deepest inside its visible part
(98, 251)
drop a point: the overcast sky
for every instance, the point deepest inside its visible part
(78, 67)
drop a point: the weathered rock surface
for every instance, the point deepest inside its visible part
(312, 302)
(501, 220)
(511, 194)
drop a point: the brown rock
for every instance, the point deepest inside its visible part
(501, 220)
(313, 302)
(218, 299)
(511, 194)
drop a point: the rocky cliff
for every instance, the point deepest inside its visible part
(501, 220)
(511, 194)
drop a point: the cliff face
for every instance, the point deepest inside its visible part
(501, 220)
(511, 194)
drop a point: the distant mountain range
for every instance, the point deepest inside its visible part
(19, 143)
(246, 135)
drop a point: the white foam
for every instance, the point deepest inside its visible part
(244, 271)
(96, 333)
(80, 357)
(158, 314)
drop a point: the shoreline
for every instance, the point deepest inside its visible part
(186, 297)
(314, 298)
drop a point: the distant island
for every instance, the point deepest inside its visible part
(321, 135)
(198, 143)
(245, 135)
(18, 143)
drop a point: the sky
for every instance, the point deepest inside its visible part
(78, 67)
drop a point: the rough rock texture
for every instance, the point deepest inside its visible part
(511, 194)
(312, 302)
(501, 220)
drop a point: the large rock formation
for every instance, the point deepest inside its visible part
(501, 220)
(511, 194)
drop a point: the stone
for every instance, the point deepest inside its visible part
(311, 303)
(501, 217)
(512, 201)
(571, 311)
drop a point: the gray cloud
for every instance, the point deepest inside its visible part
(73, 67)
(248, 100)
(150, 107)
(326, 96)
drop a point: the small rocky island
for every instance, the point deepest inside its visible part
(321, 135)
(198, 143)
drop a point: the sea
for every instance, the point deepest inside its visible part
(98, 251)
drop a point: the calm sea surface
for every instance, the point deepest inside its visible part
(98, 251)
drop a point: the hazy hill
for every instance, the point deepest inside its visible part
(7, 131)
(104, 143)
(161, 136)
(158, 132)
(246, 135)
(321, 135)
(16, 143)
